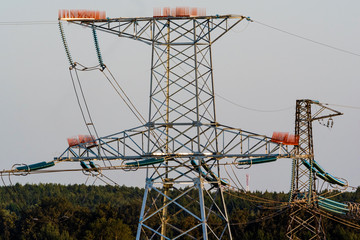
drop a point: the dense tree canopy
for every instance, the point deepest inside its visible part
(54, 211)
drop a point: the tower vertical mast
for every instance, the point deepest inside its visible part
(305, 220)
(184, 188)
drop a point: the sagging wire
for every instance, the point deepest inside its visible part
(339, 220)
(19, 23)
(85, 68)
(243, 189)
(308, 39)
(128, 103)
(126, 99)
(261, 219)
(232, 178)
(344, 106)
(260, 199)
(331, 196)
(91, 123)
(95, 171)
(73, 66)
(244, 28)
(113, 82)
(253, 109)
(103, 67)
(14, 198)
(249, 195)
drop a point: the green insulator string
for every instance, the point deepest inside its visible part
(97, 48)
(65, 45)
(311, 180)
(292, 180)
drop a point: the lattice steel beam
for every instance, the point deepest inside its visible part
(305, 218)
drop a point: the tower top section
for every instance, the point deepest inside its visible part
(181, 29)
(167, 13)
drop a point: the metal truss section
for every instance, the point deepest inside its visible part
(188, 211)
(142, 28)
(186, 187)
(182, 87)
(305, 218)
(132, 145)
(182, 134)
(305, 222)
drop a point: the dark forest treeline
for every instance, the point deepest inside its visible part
(54, 211)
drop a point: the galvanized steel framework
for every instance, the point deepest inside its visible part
(305, 219)
(181, 128)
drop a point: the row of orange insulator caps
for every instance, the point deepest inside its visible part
(179, 12)
(80, 13)
(81, 139)
(285, 138)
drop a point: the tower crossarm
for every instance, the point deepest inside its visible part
(323, 111)
(149, 29)
(132, 145)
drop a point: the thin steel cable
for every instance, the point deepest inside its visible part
(261, 200)
(117, 83)
(85, 102)
(344, 106)
(82, 111)
(260, 219)
(339, 220)
(134, 111)
(73, 66)
(92, 122)
(116, 184)
(308, 39)
(331, 196)
(232, 178)
(20, 23)
(132, 108)
(84, 68)
(15, 199)
(86, 182)
(78, 100)
(236, 178)
(253, 109)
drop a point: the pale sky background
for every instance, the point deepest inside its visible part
(254, 66)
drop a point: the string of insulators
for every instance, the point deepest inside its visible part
(65, 45)
(285, 138)
(97, 48)
(333, 206)
(81, 139)
(82, 14)
(179, 12)
(354, 210)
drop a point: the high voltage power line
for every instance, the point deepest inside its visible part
(22, 23)
(308, 39)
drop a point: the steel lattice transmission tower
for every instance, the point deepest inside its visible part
(182, 102)
(305, 220)
(181, 146)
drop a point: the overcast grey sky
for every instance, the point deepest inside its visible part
(254, 66)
